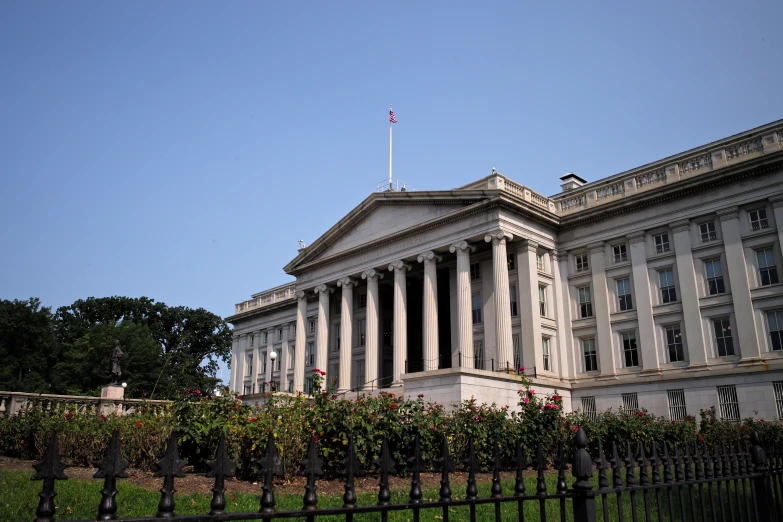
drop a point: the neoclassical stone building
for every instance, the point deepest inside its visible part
(655, 288)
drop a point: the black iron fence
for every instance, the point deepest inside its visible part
(733, 482)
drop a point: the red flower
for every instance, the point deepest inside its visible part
(420, 396)
(522, 369)
(68, 416)
(393, 406)
(334, 397)
(576, 428)
(236, 406)
(700, 439)
(315, 437)
(198, 392)
(138, 423)
(432, 428)
(233, 497)
(556, 397)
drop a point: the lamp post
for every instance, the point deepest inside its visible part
(272, 357)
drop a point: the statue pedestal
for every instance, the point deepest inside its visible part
(112, 397)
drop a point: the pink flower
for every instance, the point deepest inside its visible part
(432, 428)
(522, 369)
(198, 392)
(420, 396)
(334, 397)
(477, 418)
(576, 428)
(525, 400)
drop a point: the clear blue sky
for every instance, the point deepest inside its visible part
(178, 150)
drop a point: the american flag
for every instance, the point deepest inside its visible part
(392, 119)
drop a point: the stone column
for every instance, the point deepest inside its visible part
(270, 337)
(777, 208)
(301, 338)
(371, 343)
(255, 384)
(642, 302)
(400, 340)
(430, 322)
(530, 336)
(740, 284)
(565, 354)
(502, 297)
(464, 295)
(322, 334)
(689, 294)
(601, 310)
(282, 385)
(346, 332)
(232, 379)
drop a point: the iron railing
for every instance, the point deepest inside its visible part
(735, 481)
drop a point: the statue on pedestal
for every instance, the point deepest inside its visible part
(116, 356)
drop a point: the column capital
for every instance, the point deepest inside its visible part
(528, 244)
(369, 274)
(323, 289)
(681, 225)
(636, 237)
(596, 248)
(301, 294)
(728, 213)
(428, 256)
(559, 255)
(461, 246)
(777, 201)
(497, 236)
(399, 266)
(346, 282)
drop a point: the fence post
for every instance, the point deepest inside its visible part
(760, 482)
(582, 469)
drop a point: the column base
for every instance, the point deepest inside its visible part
(698, 367)
(611, 377)
(647, 372)
(752, 361)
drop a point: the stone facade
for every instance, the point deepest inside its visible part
(656, 288)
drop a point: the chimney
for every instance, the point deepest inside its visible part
(571, 181)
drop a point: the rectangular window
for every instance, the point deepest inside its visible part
(714, 277)
(585, 302)
(517, 354)
(263, 363)
(362, 332)
(588, 350)
(513, 297)
(478, 355)
(266, 338)
(662, 243)
(475, 271)
(708, 232)
(542, 300)
(252, 340)
(588, 408)
(246, 390)
(768, 274)
(630, 402)
(630, 351)
(723, 338)
(337, 337)
(511, 259)
(290, 357)
(363, 301)
(293, 332)
(620, 254)
(778, 385)
(758, 219)
(729, 405)
(308, 385)
(357, 375)
(545, 350)
(582, 264)
(475, 302)
(668, 292)
(291, 386)
(674, 344)
(279, 334)
(540, 261)
(624, 294)
(312, 326)
(276, 364)
(775, 322)
(310, 353)
(677, 410)
(249, 365)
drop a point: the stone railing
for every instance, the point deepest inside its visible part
(267, 298)
(498, 181)
(642, 180)
(12, 403)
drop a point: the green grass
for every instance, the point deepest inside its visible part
(78, 499)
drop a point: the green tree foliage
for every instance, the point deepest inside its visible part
(27, 346)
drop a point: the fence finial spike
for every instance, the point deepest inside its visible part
(169, 466)
(521, 465)
(603, 480)
(220, 467)
(111, 467)
(270, 466)
(497, 467)
(350, 467)
(415, 467)
(385, 466)
(471, 466)
(445, 465)
(49, 469)
(311, 467)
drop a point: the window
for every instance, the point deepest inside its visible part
(624, 294)
(723, 337)
(310, 356)
(662, 243)
(290, 357)
(362, 332)
(674, 343)
(545, 351)
(279, 334)
(668, 292)
(542, 300)
(308, 385)
(714, 277)
(677, 410)
(246, 390)
(582, 264)
(249, 365)
(517, 354)
(312, 326)
(758, 219)
(475, 271)
(293, 332)
(478, 355)
(775, 322)
(511, 260)
(630, 402)
(513, 298)
(475, 303)
(266, 338)
(588, 407)
(291, 386)
(252, 340)
(729, 405)
(585, 302)
(357, 375)
(540, 261)
(708, 232)
(588, 349)
(337, 337)
(276, 364)
(767, 271)
(263, 363)
(779, 397)
(620, 254)
(630, 350)
(363, 301)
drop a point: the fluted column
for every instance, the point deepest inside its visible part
(642, 301)
(502, 297)
(565, 351)
(530, 315)
(464, 294)
(371, 344)
(322, 335)
(400, 340)
(430, 321)
(689, 295)
(232, 379)
(606, 359)
(346, 332)
(283, 357)
(301, 338)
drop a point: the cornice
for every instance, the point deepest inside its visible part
(636, 237)
(682, 225)
(529, 245)
(728, 213)
(596, 248)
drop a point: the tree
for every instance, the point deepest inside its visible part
(27, 346)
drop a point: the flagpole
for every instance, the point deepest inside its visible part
(390, 150)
